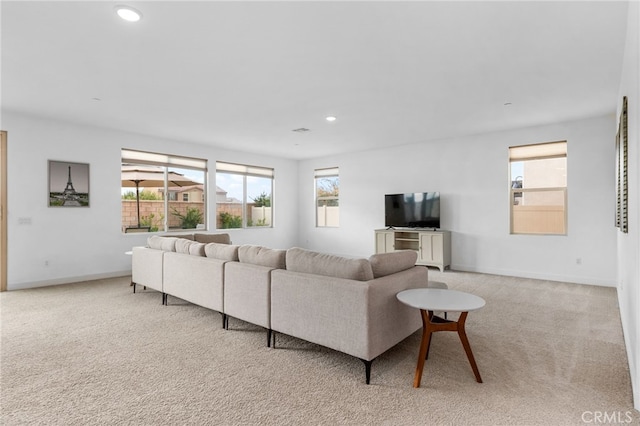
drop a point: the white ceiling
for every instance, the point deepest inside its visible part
(245, 74)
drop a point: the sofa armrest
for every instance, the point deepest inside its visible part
(391, 321)
(146, 267)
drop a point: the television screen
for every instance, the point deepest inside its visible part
(413, 210)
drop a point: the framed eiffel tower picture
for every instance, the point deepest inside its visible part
(68, 184)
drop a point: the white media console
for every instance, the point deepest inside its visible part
(433, 246)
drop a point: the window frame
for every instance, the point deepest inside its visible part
(168, 162)
(318, 175)
(246, 171)
(533, 152)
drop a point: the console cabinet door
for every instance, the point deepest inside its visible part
(385, 241)
(431, 248)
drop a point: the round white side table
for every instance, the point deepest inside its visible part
(436, 299)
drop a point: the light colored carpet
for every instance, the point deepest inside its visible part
(95, 354)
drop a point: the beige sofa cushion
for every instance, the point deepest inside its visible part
(213, 238)
(190, 247)
(389, 263)
(221, 251)
(154, 242)
(185, 236)
(311, 262)
(258, 255)
(162, 243)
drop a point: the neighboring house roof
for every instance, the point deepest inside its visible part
(179, 189)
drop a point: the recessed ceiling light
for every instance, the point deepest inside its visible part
(331, 118)
(128, 13)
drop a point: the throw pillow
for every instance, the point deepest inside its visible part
(263, 256)
(154, 242)
(182, 245)
(221, 251)
(162, 243)
(196, 249)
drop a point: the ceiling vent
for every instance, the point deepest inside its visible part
(301, 130)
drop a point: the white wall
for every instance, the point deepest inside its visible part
(628, 245)
(84, 243)
(471, 174)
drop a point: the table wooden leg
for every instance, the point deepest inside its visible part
(467, 348)
(424, 345)
(431, 324)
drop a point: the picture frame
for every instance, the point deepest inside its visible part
(622, 183)
(68, 184)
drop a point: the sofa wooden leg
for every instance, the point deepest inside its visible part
(269, 333)
(134, 286)
(164, 299)
(224, 321)
(367, 369)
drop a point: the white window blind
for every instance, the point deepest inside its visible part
(332, 171)
(538, 151)
(152, 158)
(242, 169)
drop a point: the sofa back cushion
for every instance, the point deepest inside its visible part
(213, 238)
(263, 256)
(389, 263)
(185, 236)
(190, 247)
(311, 262)
(162, 243)
(221, 251)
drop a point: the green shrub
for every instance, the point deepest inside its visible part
(151, 222)
(191, 219)
(230, 221)
(262, 200)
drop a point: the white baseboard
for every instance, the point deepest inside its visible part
(68, 280)
(536, 275)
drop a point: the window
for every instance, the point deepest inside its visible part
(185, 196)
(146, 178)
(538, 194)
(243, 196)
(327, 197)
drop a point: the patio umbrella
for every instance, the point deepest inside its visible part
(150, 177)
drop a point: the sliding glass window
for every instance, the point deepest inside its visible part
(538, 188)
(244, 196)
(162, 192)
(327, 182)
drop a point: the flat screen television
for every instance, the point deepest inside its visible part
(412, 210)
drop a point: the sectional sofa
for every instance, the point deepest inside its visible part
(342, 303)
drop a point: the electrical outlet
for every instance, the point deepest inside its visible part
(46, 263)
(578, 261)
